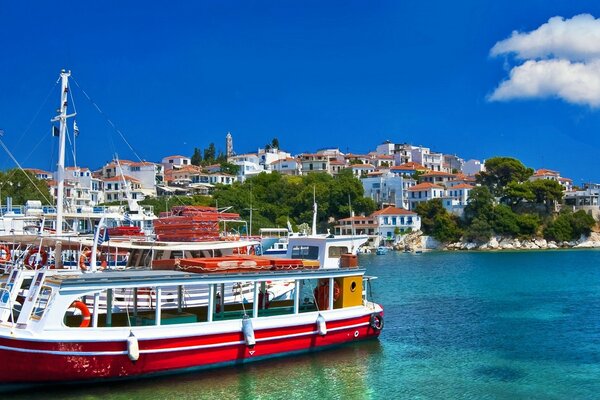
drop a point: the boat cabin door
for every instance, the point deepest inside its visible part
(9, 293)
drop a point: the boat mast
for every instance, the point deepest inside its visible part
(62, 118)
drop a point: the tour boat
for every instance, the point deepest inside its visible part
(46, 342)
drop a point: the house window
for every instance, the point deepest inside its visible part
(324, 167)
(385, 220)
(393, 220)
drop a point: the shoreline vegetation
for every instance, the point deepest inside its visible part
(508, 210)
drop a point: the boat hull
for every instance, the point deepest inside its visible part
(56, 362)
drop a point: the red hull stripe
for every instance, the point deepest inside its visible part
(176, 349)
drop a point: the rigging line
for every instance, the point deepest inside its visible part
(72, 146)
(37, 113)
(43, 139)
(21, 168)
(107, 119)
(74, 149)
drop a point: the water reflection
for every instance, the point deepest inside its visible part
(336, 373)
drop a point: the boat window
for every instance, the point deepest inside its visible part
(176, 254)
(41, 302)
(147, 257)
(196, 254)
(306, 252)
(135, 258)
(337, 251)
(158, 254)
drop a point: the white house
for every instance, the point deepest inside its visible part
(287, 166)
(456, 198)
(425, 157)
(175, 162)
(473, 167)
(387, 188)
(424, 192)
(393, 219)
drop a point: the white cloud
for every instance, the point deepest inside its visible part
(577, 83)
(562, 60)
(577, 38)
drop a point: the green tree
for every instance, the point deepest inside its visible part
(196, 157)
(516, 192)
(505, 221)
(500, 171)
(569, 226)
(437, 222)
(478, 231)
(480, 204)
(545, 191)
(23, 186)
(275, 143)
(209, 154)
(230, 168)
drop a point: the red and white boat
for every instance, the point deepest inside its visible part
(46, 343)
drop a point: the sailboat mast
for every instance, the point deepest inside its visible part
(64, 76)
(60, 172)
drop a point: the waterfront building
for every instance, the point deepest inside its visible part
(312, 162)
(387, 188)
(549, 174)
(408, 169)
(424, 192)
(436, 177)
(428, 159)
(452, 163)
(145, 174)
(393, 221)
(360, 170)
(175, 162)
(456, 198)
(40, 173)
(473, 167)
(287, 166)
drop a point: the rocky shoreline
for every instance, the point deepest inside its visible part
(417, 241)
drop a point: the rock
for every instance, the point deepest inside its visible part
(541, 243)
(493, 243)
(484, 246)
(471, 246)
(552, 245)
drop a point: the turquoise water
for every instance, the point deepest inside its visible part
(457, 325)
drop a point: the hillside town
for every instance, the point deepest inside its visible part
(396, 176)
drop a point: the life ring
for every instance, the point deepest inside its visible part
(86, 316)
(376, 322)
(322, 294)
(84, 257)
(31, 257)
(5, 255)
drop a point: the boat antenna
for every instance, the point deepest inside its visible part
(314, 221)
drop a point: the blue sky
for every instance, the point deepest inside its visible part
(178, 75)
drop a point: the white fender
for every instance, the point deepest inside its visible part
(248, 331)
(133, 347)
(321, 325)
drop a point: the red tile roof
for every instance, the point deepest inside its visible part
(438, 173)
(393, 211)
(425, 186)
(462, 186)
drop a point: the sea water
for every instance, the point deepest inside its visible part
(462, 325)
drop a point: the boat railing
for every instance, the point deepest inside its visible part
(6, 303)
